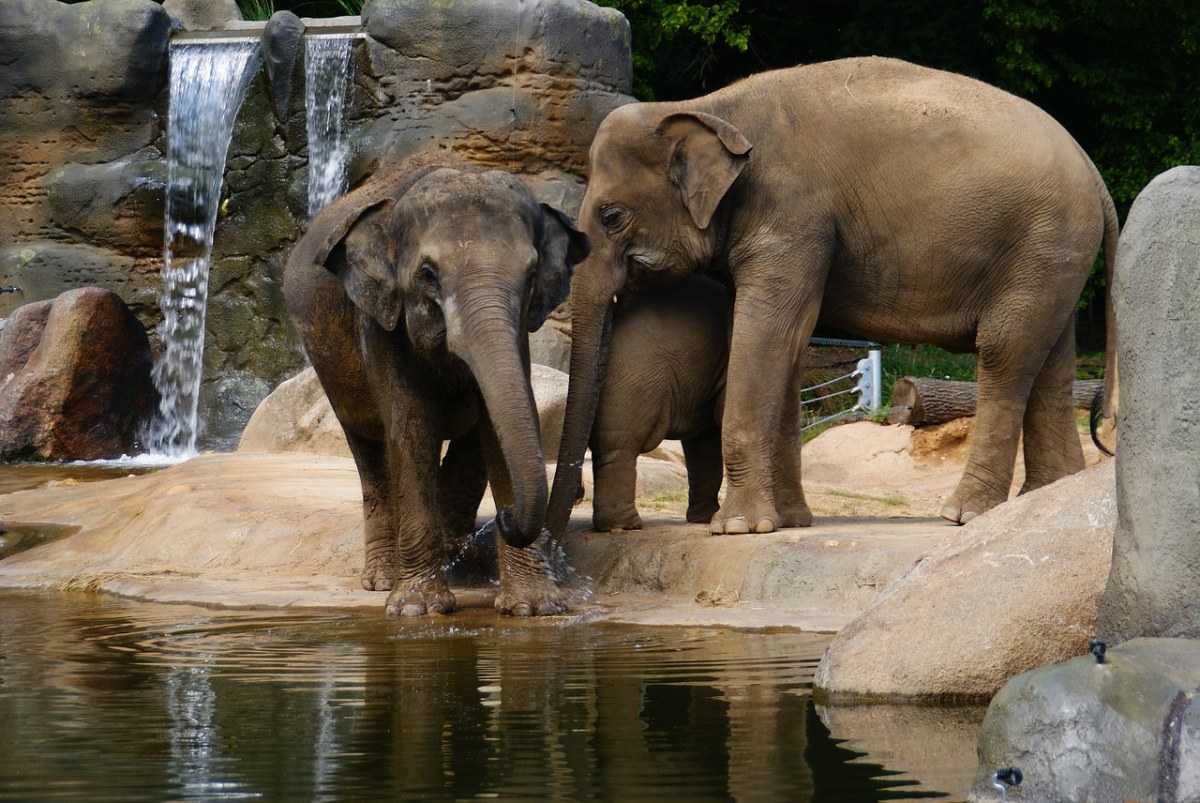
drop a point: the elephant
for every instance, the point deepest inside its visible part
(896, 202)
(665, 379)
(413, 296)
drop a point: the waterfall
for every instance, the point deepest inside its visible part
(208, 80)
(326, 71)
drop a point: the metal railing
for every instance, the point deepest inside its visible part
(868, 378)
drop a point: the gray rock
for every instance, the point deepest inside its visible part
(44, 269)
(203, 15)
(283, 52)
(551, 346)
(1127, 729)
(1156, 300)
(84, 391)
(116, 204)
(112, 48)
(1018, 587)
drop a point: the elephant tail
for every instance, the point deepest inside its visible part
(1111, 234)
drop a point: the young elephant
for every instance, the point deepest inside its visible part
(413, 296)
(665, 378)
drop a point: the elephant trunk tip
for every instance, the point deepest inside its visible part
(513, 534)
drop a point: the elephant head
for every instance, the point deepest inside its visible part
(657, 179)
(461, 262)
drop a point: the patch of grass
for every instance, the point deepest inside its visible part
(893, 501)
(257, 10)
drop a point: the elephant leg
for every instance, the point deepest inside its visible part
(789, 492)
(702, 456)
(462, 480)
(413, 457)
(1005, 368)
(1052, 449)
(614, 474)
(379, 523)
(528, 579)
(766, 351)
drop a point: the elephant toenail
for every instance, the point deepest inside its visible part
(737, 526)
(764, 526)
(522, 609)
(413, 609)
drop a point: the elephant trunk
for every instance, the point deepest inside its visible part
(492, 350)
(591, 324)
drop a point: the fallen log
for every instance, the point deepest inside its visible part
(923, 401)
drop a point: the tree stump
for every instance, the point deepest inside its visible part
(923, 401)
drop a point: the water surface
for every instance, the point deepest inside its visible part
(109, 699)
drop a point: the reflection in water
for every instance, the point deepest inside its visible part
(110, 699)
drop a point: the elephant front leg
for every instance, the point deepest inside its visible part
(530, 578)
(764, 357)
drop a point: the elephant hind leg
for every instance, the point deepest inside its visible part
(702, 456)
(1006, 367)
(379, 521)
(1052, 448)
(462, 481)
(614, 472)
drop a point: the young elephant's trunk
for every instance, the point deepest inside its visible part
(492, 349)
(591, 323)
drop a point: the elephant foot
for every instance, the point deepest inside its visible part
(603, 522)
(545, 600)
(796, 516)
(963, 506)
(377, 578)
(432, 597)
(702, 513)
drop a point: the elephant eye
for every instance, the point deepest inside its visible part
(428, 277)
(613, 218)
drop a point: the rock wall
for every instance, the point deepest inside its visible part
(519, 86)
(1154, 587)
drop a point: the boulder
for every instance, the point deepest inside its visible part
(1125, 729)
(1018, 587)
(84, 391)
(203, 15)
(295, 417)
(1156, 302)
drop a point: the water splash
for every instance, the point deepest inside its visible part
(327, 71)
(207, 84)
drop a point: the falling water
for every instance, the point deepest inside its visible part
(326, 70)
(208, 82)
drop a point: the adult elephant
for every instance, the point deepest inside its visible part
(413, 295)
(901, 203)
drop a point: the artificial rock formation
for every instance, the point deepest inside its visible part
(74, 379)
(1017, 588)
(83, 94)
(1154, 588)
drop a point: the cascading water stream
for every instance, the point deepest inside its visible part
(327, 72)
(208, 80)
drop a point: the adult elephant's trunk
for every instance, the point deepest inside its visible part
(591, 322)
(492, 349)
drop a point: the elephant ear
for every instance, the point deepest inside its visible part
(562, 247)
(365, 270)
(707, 155)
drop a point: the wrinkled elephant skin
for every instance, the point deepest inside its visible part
(413, 296)
(664, 378)
(900, 203)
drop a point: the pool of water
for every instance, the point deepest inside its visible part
(103, 698)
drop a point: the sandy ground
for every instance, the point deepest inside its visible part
(284, 530)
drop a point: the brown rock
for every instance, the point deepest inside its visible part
(1017, 588)
(83, 390)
